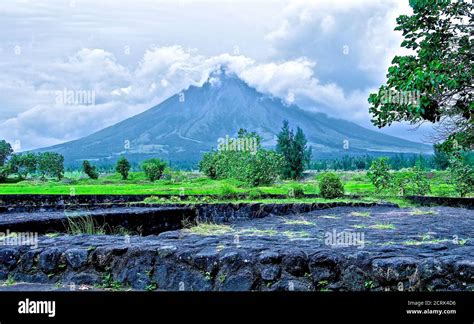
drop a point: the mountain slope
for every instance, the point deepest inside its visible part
(181, 130)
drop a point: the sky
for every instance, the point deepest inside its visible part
(69, 68)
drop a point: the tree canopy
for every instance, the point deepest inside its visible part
(439, 73)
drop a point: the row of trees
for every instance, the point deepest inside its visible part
(438, 161)
(47, 164)
(263, 166)
(415, 180)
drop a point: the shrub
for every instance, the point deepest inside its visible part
(259, 169)
(123, 167)
(296, 192)
(255, 194)
(379, 174)
(228, 191)
(462, 174)
(90, 170)
(331, 186)
(417, 183)
(208, 164)
(256, 169)
(153, 169)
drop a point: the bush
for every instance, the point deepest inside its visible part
(208, 164)
(228, 191)
(462, 175)
(331, 186)
(417, 183)
(123, 167)
(296, 192)
(256, 169)
(260, 169)
(255, 194)
(379, 174)
(153, 169)
(90, 170)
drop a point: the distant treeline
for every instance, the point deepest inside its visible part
(438, 161)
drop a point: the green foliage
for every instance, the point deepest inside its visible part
(260, 168)
(208, 164)
(440, 73)
(440, 158)
(123, 167)
(296, 192)
(51, 164)
(153, 169)
(90, 170)
(417, 183)
(3, 174)
(254, 169)
(294, 151)
(5, 151)
(462, 174)
(228, 191)
(379, 174)
(330, 186)
(255, 194)
(84, 225)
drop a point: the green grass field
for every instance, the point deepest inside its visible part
(355, 183)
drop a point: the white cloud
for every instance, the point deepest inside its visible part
(121, 93)
(305, 41)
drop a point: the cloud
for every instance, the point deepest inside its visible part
(352, 42)
(325, 55)
(119, 92)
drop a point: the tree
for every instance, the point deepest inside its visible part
(5, 151)
(51, 164)
(462, 174)
(440, 158)
(439, 75)
(90, 170)
(123, 167)
(23, 164)
(294, 151)
(153, 169)
(379, 174)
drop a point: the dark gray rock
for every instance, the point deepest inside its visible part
(76, 258)
(394, 269)
(324, 265)
(8, 257)
(295, 262)
(270, 272)
(243, 280)
(49, 260)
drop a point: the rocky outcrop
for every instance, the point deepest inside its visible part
(420, 252)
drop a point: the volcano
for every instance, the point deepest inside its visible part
(184, 126)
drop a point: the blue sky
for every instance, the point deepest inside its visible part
(132, 54)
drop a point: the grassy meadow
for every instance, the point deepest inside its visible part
(188, 183)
